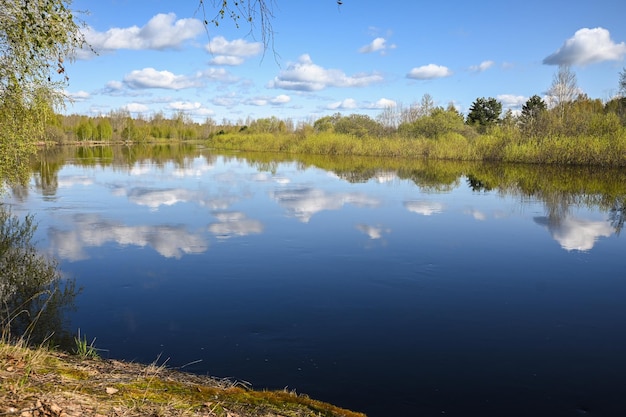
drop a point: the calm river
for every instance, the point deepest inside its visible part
(395, 288)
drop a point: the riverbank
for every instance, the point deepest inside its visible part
(43, 382)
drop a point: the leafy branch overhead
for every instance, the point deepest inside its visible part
(257, 13)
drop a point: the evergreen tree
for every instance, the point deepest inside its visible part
(484, 112)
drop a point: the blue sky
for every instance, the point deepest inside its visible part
(156, 56)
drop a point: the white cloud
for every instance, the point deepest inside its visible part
(184, 105)
(483, 66)
(348, 103)
(78, 96)
(151, 78)
(115, 85)
(351, 103)
(264, 101)
(429, 72)
(304, 75)
(163, 31)
(232, 52)
(228, 100)
(280, 99)
(587, 46)
(226, 60)
(216, 74)
(257, 101)
(378, 44)
(136, 108)
(510, 101)
(383, 103)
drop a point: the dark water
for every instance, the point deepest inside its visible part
(396, 291)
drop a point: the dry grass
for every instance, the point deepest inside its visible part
(40, 382)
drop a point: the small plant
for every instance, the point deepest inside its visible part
(85, 350)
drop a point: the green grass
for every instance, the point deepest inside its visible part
(499, 144)
(83, 349)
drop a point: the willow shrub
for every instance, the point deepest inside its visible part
(604, 145)
(450, 145)
(608, 150)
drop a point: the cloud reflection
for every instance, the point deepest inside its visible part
(304, 202)
(73, 180)
(92, 230)
(154, 198)
(372, 231)
(424, 207)
(576, 234)
(234, 223)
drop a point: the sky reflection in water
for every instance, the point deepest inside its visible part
(378, 295)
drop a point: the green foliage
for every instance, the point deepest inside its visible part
(484, 112)
(435, 124)
(327, 123)
(531, 112)
(104, 130)
(83, 349)
(268, 125)
(36, 38)
(359, 125)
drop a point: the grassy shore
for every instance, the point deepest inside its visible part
(43, 382)
(498, 145)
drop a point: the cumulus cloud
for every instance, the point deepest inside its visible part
(151, 78)
(483, 66)
(264, 101)
(587, 46)
(377, 45)
(78, 95)
(304, 75)
(280, 99)
(346, 104)
(216, 74)
(227, 100)
(161, 32)
(510, 101)
(184, 105)
(136, 108)
(383, 103)
(429, 72)
(350, 103)
(232, 52)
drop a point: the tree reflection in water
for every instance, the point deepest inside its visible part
(33, 293)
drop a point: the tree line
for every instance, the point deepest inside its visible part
(563, 112)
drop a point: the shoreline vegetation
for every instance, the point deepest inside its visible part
(580, 132)
(37, 381)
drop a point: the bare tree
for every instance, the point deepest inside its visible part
(564, 89)
(622, 83)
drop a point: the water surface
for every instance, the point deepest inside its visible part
(392, 288)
